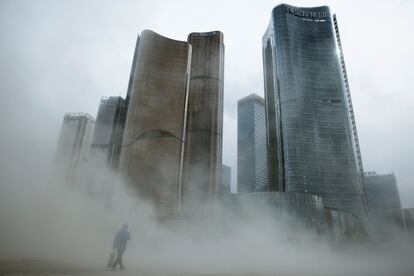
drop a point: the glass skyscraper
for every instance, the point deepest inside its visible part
(312, 139)
(252, 174)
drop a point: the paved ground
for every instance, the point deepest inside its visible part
(43, 268)
(39, 267)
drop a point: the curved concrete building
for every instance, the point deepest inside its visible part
(312, 139)
(203, 148)
(153, 142)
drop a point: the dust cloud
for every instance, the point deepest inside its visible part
(42, 219)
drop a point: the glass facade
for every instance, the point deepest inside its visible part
(384, 201)
(297, 210)
(311, 129)
(252, 174)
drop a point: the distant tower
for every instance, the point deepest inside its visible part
(106, 145)
(154, 135)
(203, 145)
(384, 203)
(409, 220)
(225, 179)
(107, 136)
(252, 172)
(312, 138)
(73, 147)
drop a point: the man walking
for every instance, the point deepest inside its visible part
(120, 243)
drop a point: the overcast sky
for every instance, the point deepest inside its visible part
(60, 56)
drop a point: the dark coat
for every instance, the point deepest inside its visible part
(121, 239)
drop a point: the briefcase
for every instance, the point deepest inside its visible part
(111, 259)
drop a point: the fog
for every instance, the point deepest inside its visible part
(49, 220)
(59, 57)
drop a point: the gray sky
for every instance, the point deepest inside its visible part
(59, 56)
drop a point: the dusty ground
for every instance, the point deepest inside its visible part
(39, 267)
(42, 268)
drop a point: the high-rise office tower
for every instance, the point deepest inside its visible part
(107, 135)
(106, 145)
(383, 201)
(73, 147)
(252, 172)
(174, 117)
(225, 180)
(203, 145)
(312, 139)
(409, 220)
(154, 135)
